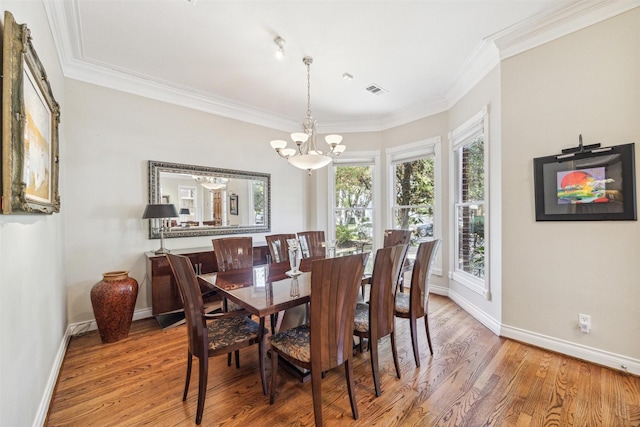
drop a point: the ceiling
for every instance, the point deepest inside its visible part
(219, 56)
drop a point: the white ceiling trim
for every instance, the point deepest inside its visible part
(546, 28)
(483, 59)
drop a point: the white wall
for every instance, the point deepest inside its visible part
(32, 275)
(111, 135)
(585, 83)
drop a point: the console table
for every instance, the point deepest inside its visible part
(166, 304)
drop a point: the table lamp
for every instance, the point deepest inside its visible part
(161, 212)
(185, 212)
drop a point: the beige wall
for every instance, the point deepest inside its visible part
(585, 83)
(111, 136)
(32, 276)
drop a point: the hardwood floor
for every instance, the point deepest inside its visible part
(473, 379)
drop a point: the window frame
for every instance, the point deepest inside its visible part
(477, 125)
(356, 158)
(409, 152)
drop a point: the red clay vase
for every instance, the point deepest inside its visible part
(113, 300)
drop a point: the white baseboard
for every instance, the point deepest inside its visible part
(91, 325)
(475, 312)
(72, 329)
(590, 354)
(43, 408)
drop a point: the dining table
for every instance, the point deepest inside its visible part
(268, 289)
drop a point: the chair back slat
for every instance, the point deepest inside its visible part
(386, 268)
(421, 276)
(278, 247)
(312, 243)
(334, 290)
(233, 252)
(396, 237)
(192, 300)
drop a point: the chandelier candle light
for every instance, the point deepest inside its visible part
(307, 156)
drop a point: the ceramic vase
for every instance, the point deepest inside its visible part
(113, 300)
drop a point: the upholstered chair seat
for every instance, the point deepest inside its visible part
(294, 342)
(361, 321)
(228, 331)
(402, 302)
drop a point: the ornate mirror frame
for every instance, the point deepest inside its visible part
(155, 197)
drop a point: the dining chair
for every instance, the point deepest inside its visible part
(233, 253)
(312, 243)
(279, 252)
(326, 341)
(413, 305)
(278, 247)
(212, 334)
(398, 237)
(374, 320)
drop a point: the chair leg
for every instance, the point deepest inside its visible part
(316, 389)
(263, 375)
(426, 327)
(228, 359)
(348, 368)
(274, 376)
(202, 387)
(414, 340)
(394, 350)
(273, 319)
(237, 354)
(186, 384)
(373, 351)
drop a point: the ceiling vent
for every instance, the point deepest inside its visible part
(375, 89)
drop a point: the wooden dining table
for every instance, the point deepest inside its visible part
(265, 290)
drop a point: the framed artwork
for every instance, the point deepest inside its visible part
(30, 118)
(233, 204)
(594, 185)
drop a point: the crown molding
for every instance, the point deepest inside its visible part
(482, 60)
(548, 27)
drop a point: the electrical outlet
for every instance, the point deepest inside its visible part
(584, 321)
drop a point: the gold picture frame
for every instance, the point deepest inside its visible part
(30, 118)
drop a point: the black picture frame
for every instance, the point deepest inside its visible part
(233, 204)
(595, 185)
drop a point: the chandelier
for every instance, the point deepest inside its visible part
(306, 155)
(211, 182)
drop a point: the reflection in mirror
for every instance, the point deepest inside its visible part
(211, 201)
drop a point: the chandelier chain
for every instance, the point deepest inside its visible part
(308, 62)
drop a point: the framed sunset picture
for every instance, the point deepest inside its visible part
(593, 185)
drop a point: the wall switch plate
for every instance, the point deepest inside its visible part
(584, 321)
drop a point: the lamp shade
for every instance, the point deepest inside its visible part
(185, 211)
(160, 211)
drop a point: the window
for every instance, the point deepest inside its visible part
(469, 156)
(352, 192)
(353, 211)
(414, 190)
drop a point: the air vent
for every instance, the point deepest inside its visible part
(375, 89)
